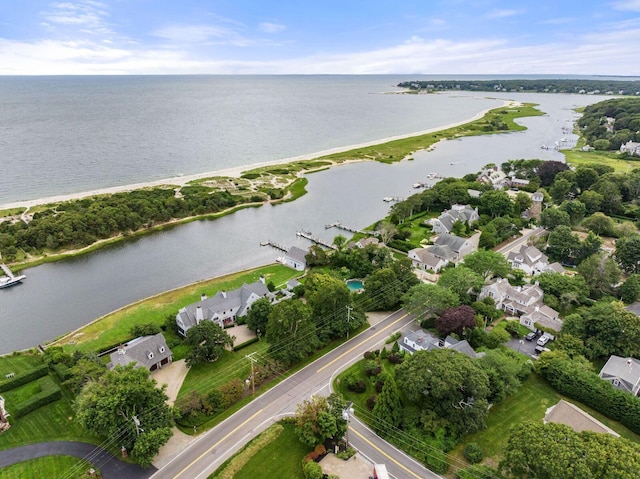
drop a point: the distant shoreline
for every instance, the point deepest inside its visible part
(235, 172)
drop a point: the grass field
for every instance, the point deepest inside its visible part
(275, 453)
(50, 466)
(579, 158)
(115, 327)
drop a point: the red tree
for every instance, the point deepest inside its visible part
(455, 320)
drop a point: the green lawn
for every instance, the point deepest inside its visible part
(579, 158)
(17, 363)
(51, 466)
(114, 328)
(272, 454)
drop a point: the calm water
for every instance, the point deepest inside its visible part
(59, 297)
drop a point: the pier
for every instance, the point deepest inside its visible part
(6, 270)
(314, 239)
(340, 226)
(274, 245)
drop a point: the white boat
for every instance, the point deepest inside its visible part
(388, 199)
(6, 281)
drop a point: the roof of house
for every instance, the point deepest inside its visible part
(461, 213)
(452, 241)
(368, 240)
(461, 346)
(222, 301)
(554, 268)
(144, 351)
(627, 370)
(425, 340)
(297, 254)
(528, 255)
(570, 415)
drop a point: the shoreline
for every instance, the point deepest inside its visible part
(237, 171)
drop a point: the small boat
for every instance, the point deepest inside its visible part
(388, 199)
(6, 281)
(418, 185)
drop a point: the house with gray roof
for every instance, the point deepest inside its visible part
(571, 415)
(532, 261)
(631, 147)
(622, 373)
(446, 249)
(421, 340)
(224, 307)
(150, 352)
(295, 258)
(458, 213)
(523, 301)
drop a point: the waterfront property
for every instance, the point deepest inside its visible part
(458, 213)
(295, 258)
(446, 249)
(224, 307)
(150, 352)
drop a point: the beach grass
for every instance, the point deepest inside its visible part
(68, 467)
(114, 328)
(11, 212)
(584, 158)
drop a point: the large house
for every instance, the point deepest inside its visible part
(462, 213)
(495, 177)
(224, 307)
(622, 373)
(421, 340)
(150, 352)
(532, 261)
(631, 147)
(446, 249)
(523, 301)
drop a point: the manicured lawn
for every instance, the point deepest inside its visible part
(578, 158)
(267, 456)
(17, 363)
(51, 466)
(114, 328)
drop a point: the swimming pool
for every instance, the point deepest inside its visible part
(355, 284)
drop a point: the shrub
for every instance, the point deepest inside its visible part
(231, 392)
(473, 453)
(49, 392)
(371, 402)
(246, 343)
(355, 384)
(371, 367)
(147, 329)
(62, 371)
(312, 470)
(395, 358)
(24, 378)
(512, 328)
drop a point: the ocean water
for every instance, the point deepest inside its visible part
(61, 135)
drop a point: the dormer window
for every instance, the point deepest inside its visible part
(150, 355)
(161, 349)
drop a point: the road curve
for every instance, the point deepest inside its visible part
(215, 446)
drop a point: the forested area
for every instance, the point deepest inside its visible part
(543, 85)
(609, 124)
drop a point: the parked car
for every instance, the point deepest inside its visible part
(542, 340)
(540, 349)
(531, 336)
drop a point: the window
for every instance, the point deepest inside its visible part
(616, 382)
(150, 355)
(161, 349)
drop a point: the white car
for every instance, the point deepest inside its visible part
(542, 340)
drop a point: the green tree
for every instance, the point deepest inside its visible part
(497, 203)
(608, 328)
(388, 408)
(426, 301)
(487, 263)
(600, 224)
(629, 291)
(560, 190)
(449, 383)
(125, 403)
(601, 274)
(291, 331)
(382, 290)
(628, 253)
(592, 201)
(586, 177)
(575, 209)
(462, 281)
(551, 218)
(207, 342)
(521, 202)
(258, 316)
(563, 245)
(320, 418)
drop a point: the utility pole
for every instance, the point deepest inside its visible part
(136, 421)
(253, 381)
(346, 415)
(349, 308)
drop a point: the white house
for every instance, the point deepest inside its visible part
(532, 261)
(524, 301)
(495, 177)
(631, 147)
(421, 340)
(295, 258)
(622, 373)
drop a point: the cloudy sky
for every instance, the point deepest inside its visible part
(40, 37)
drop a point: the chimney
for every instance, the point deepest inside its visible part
(262, 279)
(199, 314)
(224, 294)
(203, 297)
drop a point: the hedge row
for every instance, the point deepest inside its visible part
(575, 381)
(245, 344)
(24, 378)
(49, 392)
(62, 371)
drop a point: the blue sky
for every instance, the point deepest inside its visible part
(40, 37)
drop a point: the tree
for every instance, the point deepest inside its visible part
(207, 342)
(575, 209)
(497, 203)
(487, 263)
(462, 281)
(628, 253)
(505, 372)
(126, 404)
(387, 231)
(320, 418)
(601, 274)
(548, 170)
(258, 316)
(586, 177)
(388, 408)
(600, 224)
(590, 245)
(629, 291)
(551, 218)
(608, 328)
(563, 245)
(456, 320)
(339, 241)
(426, 301)
(291, 331)
(382, 290)
(560, 190)
(521, 203)
(592, 201)
(449, 383)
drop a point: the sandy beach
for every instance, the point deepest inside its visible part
(236, 171)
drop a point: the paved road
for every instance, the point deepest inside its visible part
(517, 243)
(210, 450)
(110, 466)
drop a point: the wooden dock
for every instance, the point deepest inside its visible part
(340, 226)
(314, 239)
(6, 270)
(275, 245)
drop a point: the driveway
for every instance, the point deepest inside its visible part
(523, 347)
(109, 465)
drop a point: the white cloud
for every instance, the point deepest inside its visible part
(632, 5)
(197, 34)
(269, 27)
(85, 13)
(503, 13)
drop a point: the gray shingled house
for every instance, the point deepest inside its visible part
(446, 249)
(462, 213)
(295, 258)
(150, 352)
(622, 373)
(224, 307)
